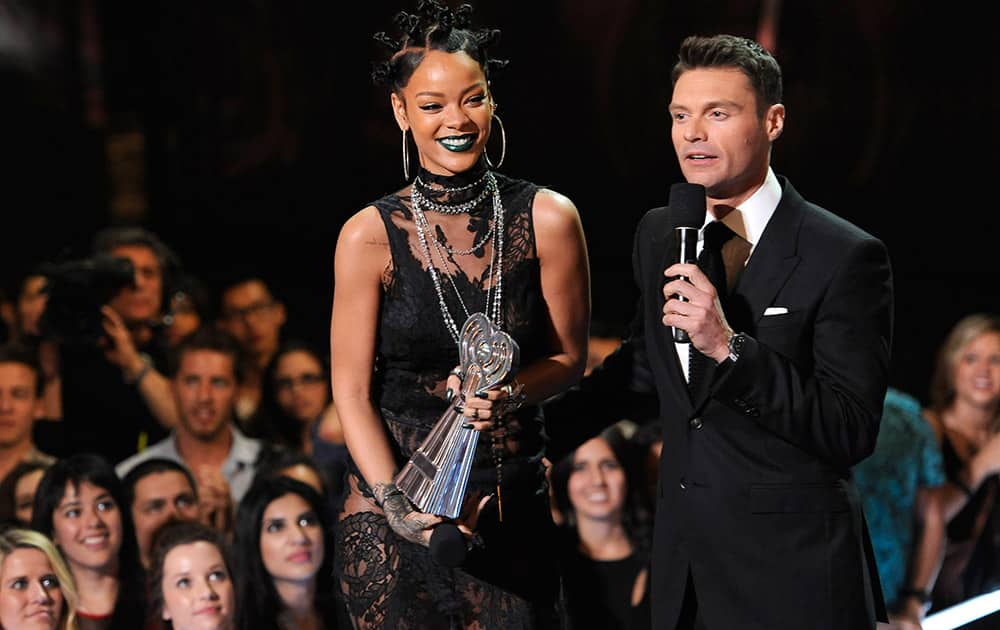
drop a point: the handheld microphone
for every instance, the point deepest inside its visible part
(687, 209)
(447, 545)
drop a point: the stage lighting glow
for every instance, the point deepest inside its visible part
(963, 613)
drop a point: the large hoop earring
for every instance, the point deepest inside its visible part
(406, 158)
(503, 145)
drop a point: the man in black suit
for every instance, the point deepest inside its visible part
(758, 524)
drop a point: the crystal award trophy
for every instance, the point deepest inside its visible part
(435, 477)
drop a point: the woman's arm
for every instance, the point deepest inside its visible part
(565, 277)
(978, 468)
(565, 271)
(361, 256)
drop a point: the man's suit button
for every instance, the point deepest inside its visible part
(753, 412)
(695, 423)
(683, 483)
(739, 402)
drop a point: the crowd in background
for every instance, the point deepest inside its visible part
(168, 453)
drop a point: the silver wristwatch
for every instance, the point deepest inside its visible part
(736, 343)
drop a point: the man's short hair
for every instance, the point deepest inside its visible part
(731, 51)
(13, 352)
(209, 338)
(151, 467)
(112, 237)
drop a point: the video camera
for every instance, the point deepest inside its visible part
(77, 289)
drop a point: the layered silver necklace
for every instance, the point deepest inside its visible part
(495, 234)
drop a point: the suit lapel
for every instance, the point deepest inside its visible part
(773, 260)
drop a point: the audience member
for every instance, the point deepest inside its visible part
(79, 506)
(900, 485)
(114, 396)
(158, 491)
(20, 405)
(30, 305)
(188, 309)
(8, 317)
(36, 588)
(31, 300)
(299, 466)
(206, 439)
(606, 534)
(25, 479)
(297, 409)
(964, 412)
(250, 312)
(190, 581)
(284, 558)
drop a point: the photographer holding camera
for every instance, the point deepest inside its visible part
(106, 314)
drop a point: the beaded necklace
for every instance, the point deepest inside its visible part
(494, 295)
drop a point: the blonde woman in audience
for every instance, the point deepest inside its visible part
(964, 412)
(36, 588)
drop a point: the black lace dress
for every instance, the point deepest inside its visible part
(511, 581)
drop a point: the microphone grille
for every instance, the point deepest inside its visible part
(687, 204)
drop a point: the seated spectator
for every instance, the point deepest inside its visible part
(900, 485)
(24, 483)
(251, 314)
(31, 300)
(79, 505)
(8, 318)
(297, 409)
(36, 587)
(190, 581)
(159, 491)
(964, 412)
(188, 309)
(112, 357)
(20, 405)
(284, 558)
(604, 558)
(206, 439)
(301, 467)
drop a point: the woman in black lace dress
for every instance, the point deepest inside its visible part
(459, 238)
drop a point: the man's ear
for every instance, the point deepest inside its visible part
(774, 121)
(399, 111)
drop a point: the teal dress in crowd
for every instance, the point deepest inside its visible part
(906, 458)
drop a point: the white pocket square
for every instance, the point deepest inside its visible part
(775, 310)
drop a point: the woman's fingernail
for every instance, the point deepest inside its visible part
(448, 395)
(467, 425)
(482, 395)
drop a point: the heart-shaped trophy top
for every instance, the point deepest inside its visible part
(487, 355)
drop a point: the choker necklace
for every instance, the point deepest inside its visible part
(447, 189)
(453, 208)
(494, 295)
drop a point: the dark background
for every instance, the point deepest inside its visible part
(245, 133)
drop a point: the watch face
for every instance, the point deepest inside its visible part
(736, 346)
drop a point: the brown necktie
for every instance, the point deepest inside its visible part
(722, 259)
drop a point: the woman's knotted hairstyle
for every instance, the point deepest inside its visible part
(434, 26)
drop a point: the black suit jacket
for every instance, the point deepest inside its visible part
(755, 498)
